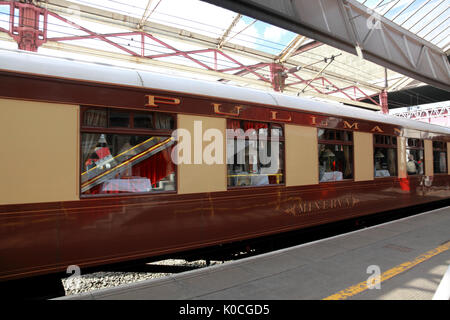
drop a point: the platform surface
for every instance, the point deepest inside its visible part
(410, 256)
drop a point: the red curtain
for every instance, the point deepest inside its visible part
(236, 124)
(254, 125)
(233, 124)
(156, 168)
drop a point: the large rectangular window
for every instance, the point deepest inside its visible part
(335, 155)
(126, 151)
(440, 157)
(255, 153)
(415, 160)
(385, 156)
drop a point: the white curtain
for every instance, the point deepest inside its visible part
(92, 118)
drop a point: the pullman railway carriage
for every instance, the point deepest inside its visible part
(88, 176)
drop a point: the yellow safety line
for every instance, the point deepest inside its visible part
(362, 286)
(126, 162)
(254, 175)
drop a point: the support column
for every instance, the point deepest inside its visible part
(384, 102)
(384, 95)
(277, 76)
(31, 30)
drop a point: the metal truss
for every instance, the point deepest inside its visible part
(424, 114)
(29, 28)
(354, 28)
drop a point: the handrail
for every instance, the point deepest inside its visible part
(140, 156)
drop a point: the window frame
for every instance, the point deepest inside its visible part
(441, 149)
(281, 139)
(386, 146)
(336, 142)
(123, 131)
(130, 130)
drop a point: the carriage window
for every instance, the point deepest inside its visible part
(440, 157)
(143, 120)
(255, 153)
(119, 119)
(163, 121)
(414, 156)
(385, 156)
(95, 118)
(115, 161)
(335, 155)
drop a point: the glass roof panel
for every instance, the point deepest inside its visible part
(202, 18)
(428, 19)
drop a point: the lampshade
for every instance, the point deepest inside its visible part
(102, 138)
(379, 155)
(328, 154)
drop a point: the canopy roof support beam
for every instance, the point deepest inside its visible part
(116, 19)
(351, 26)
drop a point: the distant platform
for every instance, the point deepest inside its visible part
(401, 260)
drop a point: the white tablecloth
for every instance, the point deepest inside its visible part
(382, 173)
(260, 180)
(127, 185)
(332, 176)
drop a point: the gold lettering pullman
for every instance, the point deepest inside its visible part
(377, 129)
(275, 117)
(154, 101)
(351, 126)
(236, 112)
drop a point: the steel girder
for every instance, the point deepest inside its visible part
(430, 113)
(116, 19)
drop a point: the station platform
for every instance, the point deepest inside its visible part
(401, 260)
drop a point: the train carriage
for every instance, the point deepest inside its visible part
(102, 164)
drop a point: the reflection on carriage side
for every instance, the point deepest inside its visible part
(121, 162)
(385, 156)
(440, 157)
(255, 153)
(335, 155)
(415, 156)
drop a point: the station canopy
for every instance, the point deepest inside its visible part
(195, 39)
